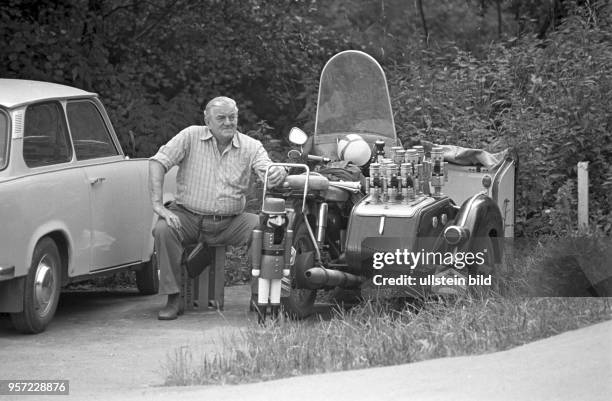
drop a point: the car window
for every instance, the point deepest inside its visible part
(4, 132)
(45, 136)
(89, 133)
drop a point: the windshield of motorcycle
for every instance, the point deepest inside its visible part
(354, 98)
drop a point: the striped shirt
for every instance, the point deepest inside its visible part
(209, 182)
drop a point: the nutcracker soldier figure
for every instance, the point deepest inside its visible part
(271, 254)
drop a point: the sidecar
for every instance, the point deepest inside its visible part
(431, 219)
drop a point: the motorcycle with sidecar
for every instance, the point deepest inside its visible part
(440, 201)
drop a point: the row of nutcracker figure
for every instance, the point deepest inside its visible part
(406, 175)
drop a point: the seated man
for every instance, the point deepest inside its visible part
(215, 163)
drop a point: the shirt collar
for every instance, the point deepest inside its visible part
(206, 135)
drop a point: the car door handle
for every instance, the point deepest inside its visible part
(98, 180)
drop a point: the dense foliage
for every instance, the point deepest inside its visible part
(550, 100)
(522, 73)
(157, 63)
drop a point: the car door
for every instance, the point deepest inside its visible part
(116, 188)
(41, 192)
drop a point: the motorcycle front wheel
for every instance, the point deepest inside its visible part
(300, 302)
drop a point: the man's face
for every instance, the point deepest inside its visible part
(222, 122)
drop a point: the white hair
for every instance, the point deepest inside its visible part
(220, 101)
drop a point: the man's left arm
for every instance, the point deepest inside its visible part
(261, 161)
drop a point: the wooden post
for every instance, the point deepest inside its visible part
(583, 195)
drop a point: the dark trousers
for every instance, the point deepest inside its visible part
(170, 245)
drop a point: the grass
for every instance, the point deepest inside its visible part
(372, 335)
(383, 331)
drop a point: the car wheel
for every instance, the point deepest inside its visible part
(147, 278)
(42, 289)
(300, 302)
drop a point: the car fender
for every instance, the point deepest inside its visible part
(52, 226)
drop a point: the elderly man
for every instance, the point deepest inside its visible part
(215, 163)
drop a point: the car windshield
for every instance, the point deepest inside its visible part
(4, 131)
(353, 97)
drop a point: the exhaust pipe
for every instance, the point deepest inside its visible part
(319, 277)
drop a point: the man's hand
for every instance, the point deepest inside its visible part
(171, 218)
(156, 183)
(276, 175)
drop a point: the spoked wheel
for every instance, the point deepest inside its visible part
(42, 289)
(300, 302)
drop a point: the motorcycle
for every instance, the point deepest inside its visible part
(349, 234)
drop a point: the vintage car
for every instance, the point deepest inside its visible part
(73, 205)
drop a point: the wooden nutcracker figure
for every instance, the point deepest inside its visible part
(271, 254)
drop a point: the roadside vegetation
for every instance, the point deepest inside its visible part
(544, 288)
(374, 335)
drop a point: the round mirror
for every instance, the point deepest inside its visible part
(294, 154)
(297, 136)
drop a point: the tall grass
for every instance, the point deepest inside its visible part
(370, 336)
(382, 332)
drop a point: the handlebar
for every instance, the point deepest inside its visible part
(293, 165)
(298, 155)
(319, 159)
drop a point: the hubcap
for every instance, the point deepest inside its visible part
(44, 286)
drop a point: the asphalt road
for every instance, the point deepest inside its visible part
(112, 341)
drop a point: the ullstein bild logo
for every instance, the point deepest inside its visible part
(412, 259)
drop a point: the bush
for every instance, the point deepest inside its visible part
(547, 99)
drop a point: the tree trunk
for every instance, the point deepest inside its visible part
(499, 19)
(517, 17)
(419, 4)
(481, 20)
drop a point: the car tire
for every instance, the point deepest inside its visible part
(147, 277)
(42, 289)
(300, 302)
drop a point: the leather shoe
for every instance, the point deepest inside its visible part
(172, 309)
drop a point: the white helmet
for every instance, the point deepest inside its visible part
(355, 149)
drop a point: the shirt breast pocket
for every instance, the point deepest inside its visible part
(240, 172)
